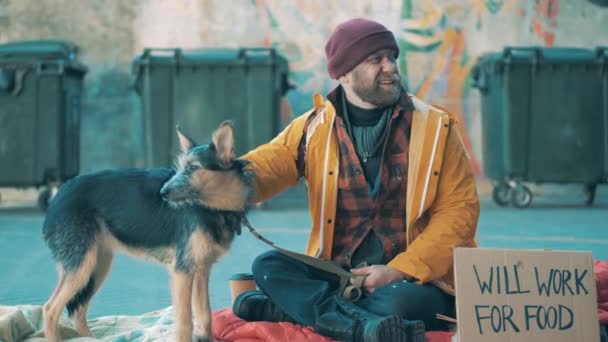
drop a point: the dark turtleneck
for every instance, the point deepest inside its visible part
(363, 117)
(367, 129)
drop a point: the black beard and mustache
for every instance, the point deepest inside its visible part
(377, 95)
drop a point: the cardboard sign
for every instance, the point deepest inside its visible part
(525, 295)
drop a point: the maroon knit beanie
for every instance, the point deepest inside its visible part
(352, 41)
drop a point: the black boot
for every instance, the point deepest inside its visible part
(345, 321)
(254, 306)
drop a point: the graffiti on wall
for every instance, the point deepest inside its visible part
(437, 38)
(422, 33)
(429, 37)
(544, 23)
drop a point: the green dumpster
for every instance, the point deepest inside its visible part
(543, 119)
(40, 91)
(198, 89)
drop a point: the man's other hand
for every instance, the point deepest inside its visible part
(377, 276)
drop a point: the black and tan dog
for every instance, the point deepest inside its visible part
(185, 217)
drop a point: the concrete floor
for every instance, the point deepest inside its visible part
(555, 221)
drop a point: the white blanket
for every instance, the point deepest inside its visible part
(24, 323)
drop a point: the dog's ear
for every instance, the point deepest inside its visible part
(223, 139)
(185, 143)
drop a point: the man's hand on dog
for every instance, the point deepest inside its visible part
(377, 276)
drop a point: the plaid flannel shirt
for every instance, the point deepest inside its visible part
(356, 213)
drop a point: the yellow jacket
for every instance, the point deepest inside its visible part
(442, 205)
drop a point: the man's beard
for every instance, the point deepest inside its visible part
(375, 94)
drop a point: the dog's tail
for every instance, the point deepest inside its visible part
(83, 296)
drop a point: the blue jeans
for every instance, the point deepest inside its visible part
(299, 290)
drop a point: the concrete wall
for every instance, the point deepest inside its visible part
(440, 40)
(104, 32)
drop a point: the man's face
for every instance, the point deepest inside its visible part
(376, 80)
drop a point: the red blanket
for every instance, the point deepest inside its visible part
(227, 327)
(600, 268)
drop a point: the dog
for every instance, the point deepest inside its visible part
(185, 217)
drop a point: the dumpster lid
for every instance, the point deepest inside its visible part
(219, 56)
(542, 55)
(34, 52)
(51, 48)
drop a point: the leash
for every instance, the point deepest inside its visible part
(350, 284)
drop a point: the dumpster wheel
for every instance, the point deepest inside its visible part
(521, 196)
(501, 194)
(590, 194)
